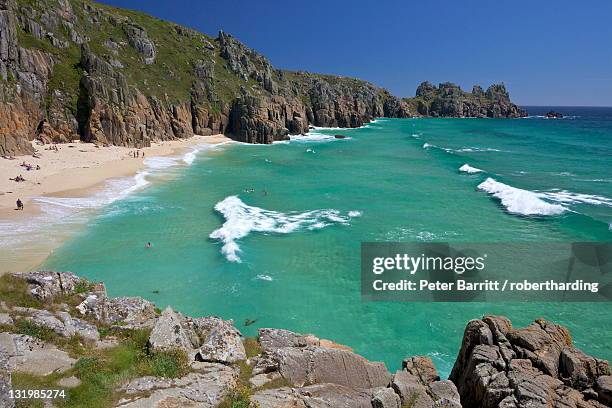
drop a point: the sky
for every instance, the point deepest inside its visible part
(547, 53)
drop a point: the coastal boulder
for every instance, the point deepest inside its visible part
(172, 331)
(422, 368)
(203, 339)
(45, 285)
(220, 340)
(33, 356)
(313, 364)
(284, 397)
(385, 398)
(272, 339)
(604, 389)
(205, 388)
(305, 359)
(410, 390)
(131, 312)
(580, 371)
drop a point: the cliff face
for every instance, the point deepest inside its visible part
(75, 69)
(449, 100)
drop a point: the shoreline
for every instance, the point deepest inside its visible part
(75, 170)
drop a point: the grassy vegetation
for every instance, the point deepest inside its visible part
(34, 330)
(102, 371)
(14, 292)
(252, 347)
(239, 397)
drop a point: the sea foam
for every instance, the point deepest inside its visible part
(314, 136)
(518, 201)
(466, 168)
(241, 219)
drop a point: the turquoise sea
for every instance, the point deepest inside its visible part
(273, 233)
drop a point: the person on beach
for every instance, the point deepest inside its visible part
(19, 204)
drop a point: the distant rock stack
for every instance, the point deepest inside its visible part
(449, 100)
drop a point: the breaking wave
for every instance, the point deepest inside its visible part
(314, 136)
(241, 219)
(567, 197)
(466, 168)
(460, 150)
(527, 202)
(518, 201)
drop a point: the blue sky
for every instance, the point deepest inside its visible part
(547, 53)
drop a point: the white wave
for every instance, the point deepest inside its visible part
(466, 168)
(242, 219)
(477, 149)
(596, 180)
(518, 201)
(189, 157)
(567, 197)
(161, 162)
(546, 117)
(461, 150)
(354, 214)
(314, 136)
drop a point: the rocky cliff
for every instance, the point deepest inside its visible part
(75, 69)
(449, 100)
(59, 331)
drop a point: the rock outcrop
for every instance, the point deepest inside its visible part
(205, 388)
(449, 100)
(208, 339)
(497, 366)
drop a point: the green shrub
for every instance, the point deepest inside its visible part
(252, 347)
(15, 292)
(169, 364)
(239, 397)
(34, 330)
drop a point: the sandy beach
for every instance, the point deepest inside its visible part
(73, 170)
(76, 168)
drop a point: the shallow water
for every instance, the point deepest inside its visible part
(282, 245)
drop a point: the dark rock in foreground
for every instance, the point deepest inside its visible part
(536, 366)
(497, 365)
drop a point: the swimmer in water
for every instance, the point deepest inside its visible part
(148, 245)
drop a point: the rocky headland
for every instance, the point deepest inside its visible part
(59, 331)
(449, 100)
(76, 69)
